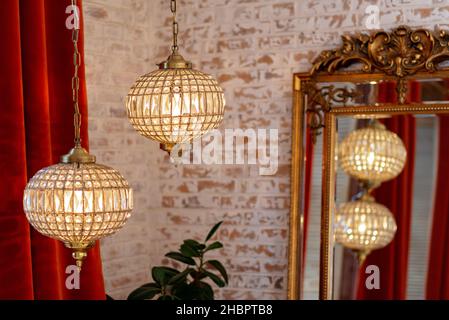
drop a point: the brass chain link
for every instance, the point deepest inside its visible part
(175, 26)
(75, 78)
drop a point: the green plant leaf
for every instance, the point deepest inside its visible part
(146, 292)
(219, 266)
(184, 291)
(180, 277)
(204, 291)
(198, 275)
(165, 298)
(180, 257)
(214, 246)
(195, 244)
(218, 281)
(196, 290)
(163, 274)
(213, 231)
(189, 251)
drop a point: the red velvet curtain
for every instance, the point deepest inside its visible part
(438, 270)
(37, 128)
(397, 195)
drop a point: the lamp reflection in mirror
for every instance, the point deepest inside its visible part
(372, 154)
(364, 226)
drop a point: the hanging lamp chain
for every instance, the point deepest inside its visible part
(173, 8)
(175, 60)
(78, 154)
(75, 79)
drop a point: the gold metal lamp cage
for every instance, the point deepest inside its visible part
(78, 201)
(175, 104)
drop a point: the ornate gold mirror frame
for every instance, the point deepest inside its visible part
(400, 55)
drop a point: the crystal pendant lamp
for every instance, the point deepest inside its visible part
(372, 154)
(78, 201)
(364, 226)
(175, 104)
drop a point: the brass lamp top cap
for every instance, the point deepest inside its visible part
(78, 155)
(175, 61)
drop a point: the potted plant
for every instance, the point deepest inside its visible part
(190, 283)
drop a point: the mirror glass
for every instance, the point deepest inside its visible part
(408, 197)
(410, 207)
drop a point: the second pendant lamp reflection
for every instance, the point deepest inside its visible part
(371, 155)
(175, 104)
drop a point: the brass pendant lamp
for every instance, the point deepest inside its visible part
(175, 104)
(77, 201)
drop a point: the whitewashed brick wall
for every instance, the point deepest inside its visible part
(117, 49)
(253, 47)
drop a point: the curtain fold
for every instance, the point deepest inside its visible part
(397, 195)
(37, 128)
(16, 278)
(438, 270)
